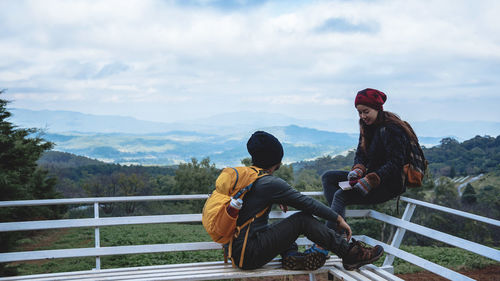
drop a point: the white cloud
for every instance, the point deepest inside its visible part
(202, 58)
(316, 99)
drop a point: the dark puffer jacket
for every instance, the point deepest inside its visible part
(385, 155)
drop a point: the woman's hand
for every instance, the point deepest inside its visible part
(342, 225)
(355, 174)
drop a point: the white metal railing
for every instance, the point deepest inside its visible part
(393, 250)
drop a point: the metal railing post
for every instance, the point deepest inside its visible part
(398, 236)
(97, 236)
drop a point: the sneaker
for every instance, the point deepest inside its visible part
(315, 249)
(303, 261)
(360, 254)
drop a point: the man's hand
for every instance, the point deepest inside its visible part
(284, 208)
(342, 225)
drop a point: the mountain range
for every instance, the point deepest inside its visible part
(126, 140)
(180, 146)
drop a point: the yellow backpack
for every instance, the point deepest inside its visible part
(232, 182)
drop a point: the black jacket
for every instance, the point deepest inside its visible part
(385, 155)
(270, 190)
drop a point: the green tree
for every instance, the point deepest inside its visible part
(195, 177)
(19, 151)
(446, 194)
(162, 184)
(469, 195)
(247, 161)
(453, 172)
(489, 200)
(285, 172)
(20, 177)
(131, 185)
(102, 185)
(308, 180)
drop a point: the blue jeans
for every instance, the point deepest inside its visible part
(338, 199)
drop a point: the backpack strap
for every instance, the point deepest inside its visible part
(237, 233)
(403, 176)
(239, 194)
(236, 181)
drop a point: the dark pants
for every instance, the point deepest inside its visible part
(280, 237)
(338, 199)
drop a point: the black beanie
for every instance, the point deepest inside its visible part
(265, 149)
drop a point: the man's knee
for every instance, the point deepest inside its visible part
(302, 220)
(301, 215)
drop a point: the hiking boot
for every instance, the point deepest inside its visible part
(303, 261)
(359, 254)
(344, 236)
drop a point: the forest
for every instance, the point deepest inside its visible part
(30, 169)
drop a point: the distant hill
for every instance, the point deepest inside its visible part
(471, 157)
(450, 158)
(65, 160)
(73, 172)
(70, 121)
(126, 140)
(171, 148)
(461, 130)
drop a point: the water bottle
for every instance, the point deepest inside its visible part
(234, 207)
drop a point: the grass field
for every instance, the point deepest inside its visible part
(456, 259)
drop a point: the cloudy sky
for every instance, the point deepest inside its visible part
(175, 60)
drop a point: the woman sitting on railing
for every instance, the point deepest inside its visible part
(377, 174)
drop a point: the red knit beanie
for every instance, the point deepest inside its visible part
(371, 97)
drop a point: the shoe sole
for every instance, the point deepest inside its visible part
(361, 263)
(308, 262)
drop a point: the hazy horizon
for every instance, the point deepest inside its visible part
(228, 124)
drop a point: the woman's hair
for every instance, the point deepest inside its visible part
(383, 118)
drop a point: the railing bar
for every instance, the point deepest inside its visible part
(107, 251)
(92, 200)
(439, 236)
(92, 222)
(371, 275)
(400, 233)
(340, 272)
(452, 211)
(416, 260)
(382, 272)
(353, 274)
(117, 250)
(113, 221)
(117, 270)
(97, 238)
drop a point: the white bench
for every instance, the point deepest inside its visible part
(190, 271)
(210, 271)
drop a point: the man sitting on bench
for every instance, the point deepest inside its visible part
(265, 241)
